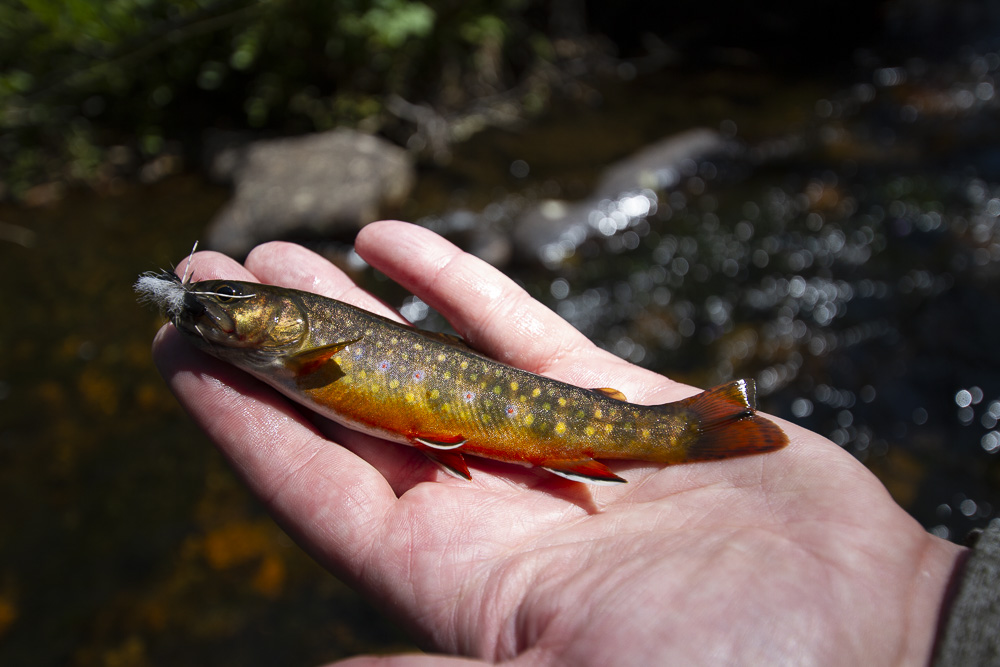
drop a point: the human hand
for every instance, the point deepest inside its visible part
(797, 556)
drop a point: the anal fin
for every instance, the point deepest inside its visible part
(588, 471)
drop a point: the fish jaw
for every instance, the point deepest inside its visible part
(249, 325)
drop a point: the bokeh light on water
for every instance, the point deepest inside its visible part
(849, 266)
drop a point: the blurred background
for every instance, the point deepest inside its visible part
(808, 196)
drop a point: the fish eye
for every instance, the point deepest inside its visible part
(227, 292)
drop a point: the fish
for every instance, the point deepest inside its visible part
(433, 392)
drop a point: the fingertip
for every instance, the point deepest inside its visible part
(274, 252)
(409, 254)
(379, 229)
(212, 265)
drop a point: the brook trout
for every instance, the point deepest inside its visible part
(434, 393)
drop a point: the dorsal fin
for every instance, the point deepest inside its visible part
(610, 393)
(454, 341)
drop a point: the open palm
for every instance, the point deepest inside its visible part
(799, 556)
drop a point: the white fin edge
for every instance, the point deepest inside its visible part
(574, 477)
(443, 446)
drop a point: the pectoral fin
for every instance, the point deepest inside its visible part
(308, 361)
(316, 368)
(584, 470)
(610, 393)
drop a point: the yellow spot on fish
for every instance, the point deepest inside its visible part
(362, 374)
(441, 357)
(562, 402)
(410, 397)
(464, 365)
(418, 347)
(589, 430)
(435, 394)
(579, 413)
(497, 390)
(393, 384)
(529, 420)
(608, 428)
(561, 428)
(535, 392)
(447, 375)
(524, 399)
(513, 386)
(446, 408)
(598, 414)
(546, 406)
(394, 340)
(645, 432)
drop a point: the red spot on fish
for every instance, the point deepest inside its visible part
(418, 375)
(468, 396)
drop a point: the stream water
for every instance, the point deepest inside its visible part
(848, 258)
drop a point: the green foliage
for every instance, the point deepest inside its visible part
(80, 76)
(389, 23)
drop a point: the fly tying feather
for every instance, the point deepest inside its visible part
(166, 291)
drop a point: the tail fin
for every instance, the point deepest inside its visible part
(728, 424)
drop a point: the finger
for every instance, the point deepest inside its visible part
(291, 265)
(497, 316)
(324, 494)
(485, 306)
(209, 265)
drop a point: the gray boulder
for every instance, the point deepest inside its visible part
(627, 191)
(313, 186)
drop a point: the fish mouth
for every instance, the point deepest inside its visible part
(205, 319)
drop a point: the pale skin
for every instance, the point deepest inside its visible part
(794, 557)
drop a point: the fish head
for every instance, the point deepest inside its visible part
(247, 324)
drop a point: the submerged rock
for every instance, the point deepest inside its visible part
(318, 185)
(626, 191)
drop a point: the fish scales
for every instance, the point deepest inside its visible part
(428, 389)
(434, 393)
